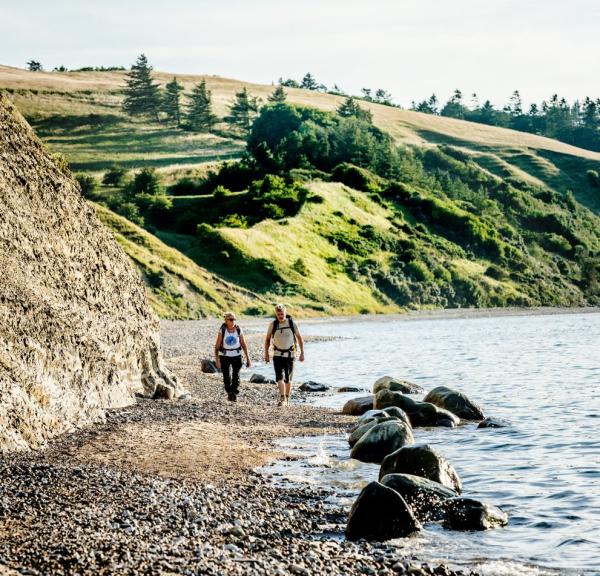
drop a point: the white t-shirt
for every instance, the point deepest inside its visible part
(231, 342)
(283, 338)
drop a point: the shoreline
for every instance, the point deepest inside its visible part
(170, 487)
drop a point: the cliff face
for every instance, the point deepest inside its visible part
(76, 333)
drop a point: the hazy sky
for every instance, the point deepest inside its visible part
(408, 47)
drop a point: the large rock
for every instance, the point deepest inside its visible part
(311, 386)
(419, 413)
(357, 433)
(422, 460)
(389, 383)
(208, 366)
(425, 497)
(358, 406)
(76, 333)
(492, 422)
(379, 513)
(469, 514)
(392, 411)
(381, 440)
(454, 401)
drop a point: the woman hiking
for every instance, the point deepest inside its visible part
(228, 354)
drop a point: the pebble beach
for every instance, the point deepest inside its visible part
(170, 487)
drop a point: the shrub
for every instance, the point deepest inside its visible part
(419, 271)
(234, 221)
(146, 181)
(87, 184)
(593, 178)
(355, 177)
(495, 272)
(130, 211)
(184, 187)
(114, 177)
(221, 192)
(300, 267)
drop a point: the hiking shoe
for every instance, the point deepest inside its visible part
(280, 402)
(231, 397)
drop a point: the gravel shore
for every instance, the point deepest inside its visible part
(168, 487)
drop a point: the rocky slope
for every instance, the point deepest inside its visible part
(76, 332)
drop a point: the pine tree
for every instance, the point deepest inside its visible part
(278, 95)
(171, 101)
(350, 108)
(142, 96)
(200, 117)
(243, 111)
(309, 82)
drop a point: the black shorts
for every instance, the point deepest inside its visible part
(284, 368)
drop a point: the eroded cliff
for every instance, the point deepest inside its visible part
(76, 333)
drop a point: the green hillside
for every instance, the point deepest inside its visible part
(332, 215)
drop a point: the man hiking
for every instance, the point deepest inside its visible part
(228, 354)
(284, 334)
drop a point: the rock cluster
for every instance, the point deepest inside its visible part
(416, 483)
(76, 333)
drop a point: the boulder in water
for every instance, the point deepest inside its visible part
(389, 383)
(358, 406)
(454, 401)
(77, 335)
(419, 413)
(469, 514)
(425, 497)
(311, 386)
(379, 513)
(491, 422)
(381, 440)
(363, 427)
(422, 460)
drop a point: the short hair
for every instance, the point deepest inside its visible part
(280, 307)
(229, 315)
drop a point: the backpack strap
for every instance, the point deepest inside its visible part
(223, 330)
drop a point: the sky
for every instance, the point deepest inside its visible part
(411, 48)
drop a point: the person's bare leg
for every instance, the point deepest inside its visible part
(281, 388)
(288, 391)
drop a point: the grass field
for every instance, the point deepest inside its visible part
(78, 114)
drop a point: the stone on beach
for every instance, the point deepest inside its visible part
(419, 413)
(421, 460)
(380, 513)
(381, 440)
(425, 497)
(357, 432)
(209, 367)
(358, 406)
(469, 514)
(395, 384)
(454, 401)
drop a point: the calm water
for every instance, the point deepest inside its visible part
(540, 373)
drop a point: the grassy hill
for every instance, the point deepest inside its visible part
(493, 217)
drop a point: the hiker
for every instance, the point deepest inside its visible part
(284, 333)
(228, 354)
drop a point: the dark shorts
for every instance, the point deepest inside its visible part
(284, 368)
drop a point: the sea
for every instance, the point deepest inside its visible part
(538, 372)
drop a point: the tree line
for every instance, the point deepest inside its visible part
(577, 123)
(191, 110)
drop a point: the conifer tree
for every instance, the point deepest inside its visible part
(199, 116)
(142, 95)
(350, 108)
(243, 111)
(278, 96)
(171, 101)
(309, 82)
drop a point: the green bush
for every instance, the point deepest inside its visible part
(114, 177)
(355, 177)
(495, 272)
(593, 178)
(87, 185)
(146, 181)
(184, 187)
(234, 221)
(221, 192)
(418, 271)
(300, 267)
